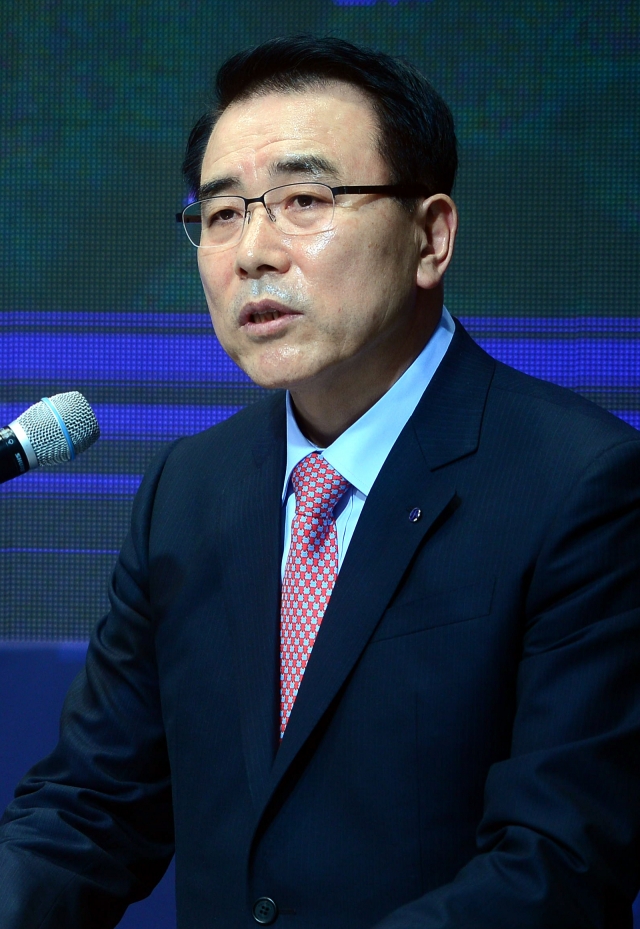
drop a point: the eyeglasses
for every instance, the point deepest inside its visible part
(295, 209)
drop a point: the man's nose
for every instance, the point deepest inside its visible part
(261, 248)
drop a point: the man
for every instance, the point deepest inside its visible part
(414, 703)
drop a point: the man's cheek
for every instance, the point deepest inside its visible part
(312, 249)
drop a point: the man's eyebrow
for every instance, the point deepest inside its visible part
(315, 165)
(216, 186)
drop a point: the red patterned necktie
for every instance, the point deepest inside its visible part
(310, 571)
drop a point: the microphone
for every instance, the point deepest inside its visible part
(52, 431)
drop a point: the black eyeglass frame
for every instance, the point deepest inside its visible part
(390, 190)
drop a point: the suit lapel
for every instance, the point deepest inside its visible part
(253, 590)
(444, 428)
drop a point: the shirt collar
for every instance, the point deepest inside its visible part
(359, 453)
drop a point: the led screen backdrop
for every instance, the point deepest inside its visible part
(99, 285)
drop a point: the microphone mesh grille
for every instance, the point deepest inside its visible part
(46, 436)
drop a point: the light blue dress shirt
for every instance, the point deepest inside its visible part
(359, 453)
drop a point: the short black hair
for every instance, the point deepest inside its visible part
(417, 137)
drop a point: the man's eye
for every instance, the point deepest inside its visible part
(223, 216)
(304, 201)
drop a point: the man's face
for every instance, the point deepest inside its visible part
(295, 311)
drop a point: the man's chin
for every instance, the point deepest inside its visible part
(276, 382)
(281, 375)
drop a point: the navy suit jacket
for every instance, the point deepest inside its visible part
(464, 751)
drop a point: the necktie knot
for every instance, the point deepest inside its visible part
(317, 486)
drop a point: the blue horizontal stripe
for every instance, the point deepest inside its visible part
(580, 362)
(63, 650)
(58, 551)
(143, 421)
(163, 423)
(52, 483)
(74, 319)
(100, 356)
(93, 322)
(557, 325)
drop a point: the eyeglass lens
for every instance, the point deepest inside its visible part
(296, 209)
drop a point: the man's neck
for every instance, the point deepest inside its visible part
(327, 406)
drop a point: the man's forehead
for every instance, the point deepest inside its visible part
(323, 125)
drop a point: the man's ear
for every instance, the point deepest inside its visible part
(437, 218)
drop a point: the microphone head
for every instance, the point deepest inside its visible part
(46, 433)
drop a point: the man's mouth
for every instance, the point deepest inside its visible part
(265, 316)
(266, 311)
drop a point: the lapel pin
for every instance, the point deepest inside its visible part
(415, 514)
